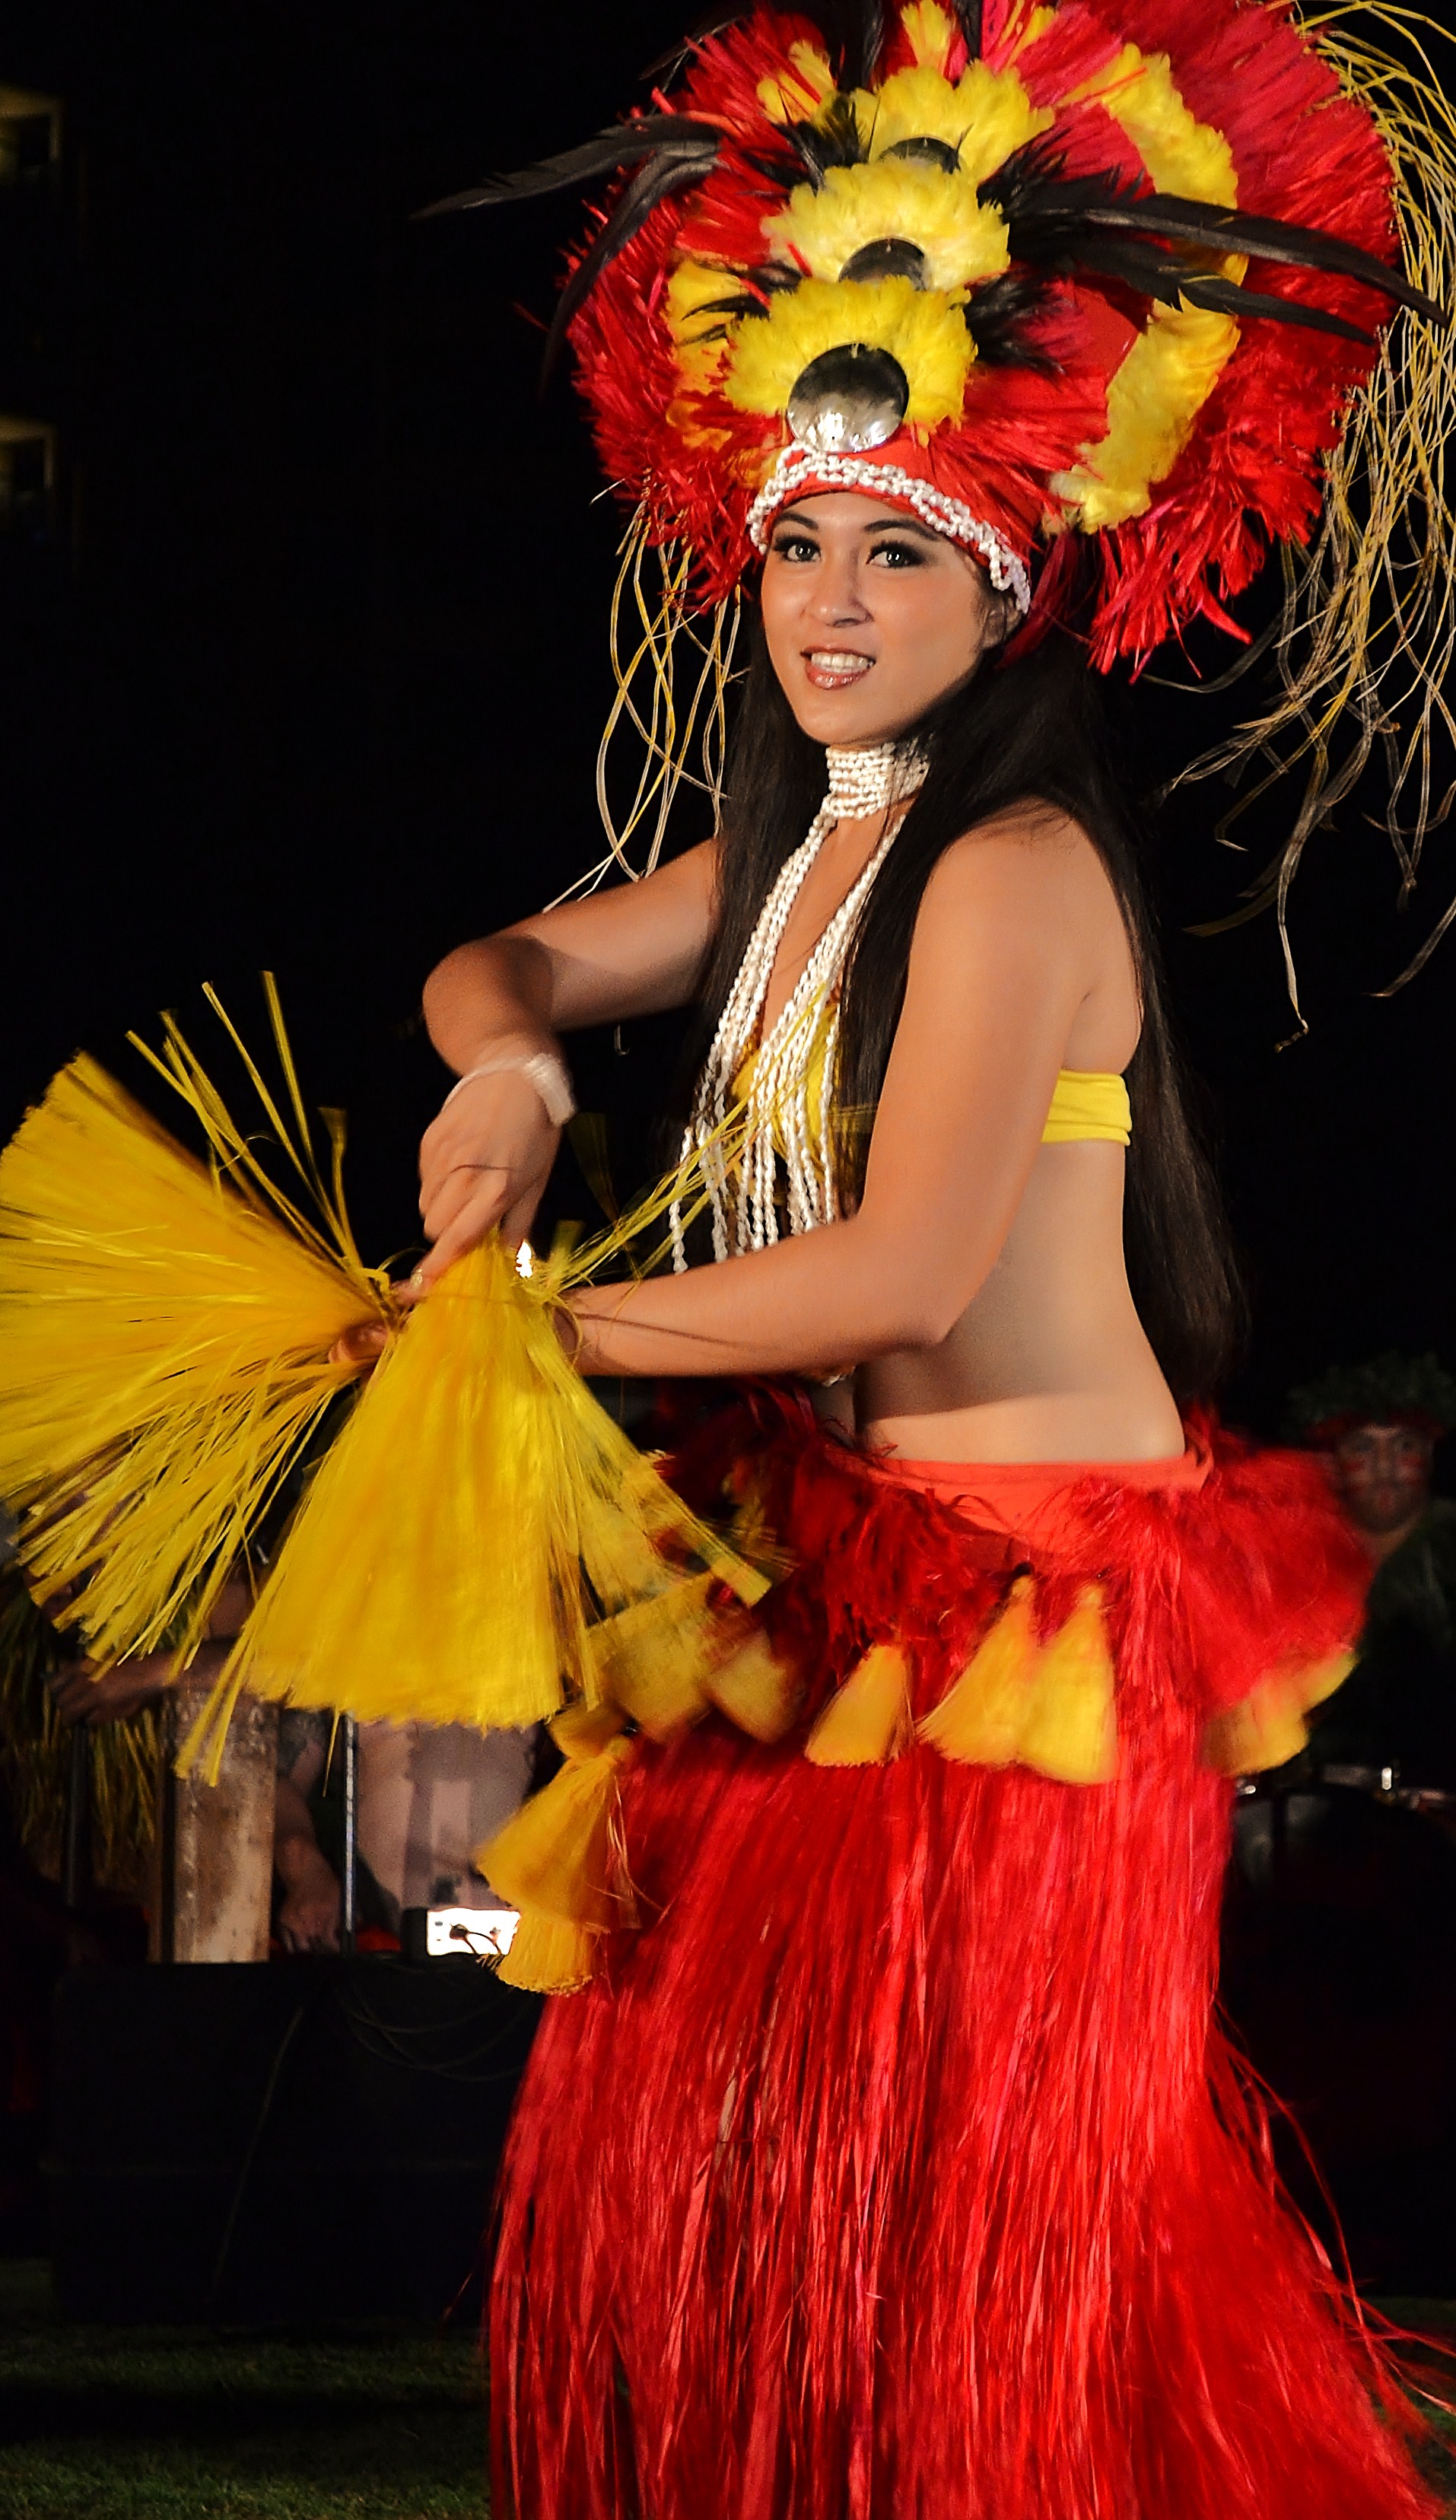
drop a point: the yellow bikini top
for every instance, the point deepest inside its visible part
(1086, 1103)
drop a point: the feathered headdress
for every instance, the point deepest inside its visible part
(1110, 275)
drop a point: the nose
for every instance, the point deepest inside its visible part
(838, 599)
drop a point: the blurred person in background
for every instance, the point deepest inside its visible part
(1393, 1722)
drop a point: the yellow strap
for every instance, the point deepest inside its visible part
(1087, 1104)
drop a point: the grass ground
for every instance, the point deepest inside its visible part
(375, 2424)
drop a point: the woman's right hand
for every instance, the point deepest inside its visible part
(483, 1165)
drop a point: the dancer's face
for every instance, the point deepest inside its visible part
(871, 619)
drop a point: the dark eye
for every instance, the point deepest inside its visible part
(795, 547)
(898, 555)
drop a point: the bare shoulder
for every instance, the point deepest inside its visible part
(1029, 857)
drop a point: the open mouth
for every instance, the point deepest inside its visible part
(834, 669)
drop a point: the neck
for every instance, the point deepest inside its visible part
(867, 779)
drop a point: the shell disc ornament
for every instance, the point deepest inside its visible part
(848, 400)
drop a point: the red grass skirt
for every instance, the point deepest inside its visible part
(897, 2167)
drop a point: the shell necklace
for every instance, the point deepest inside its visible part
(778, 1131)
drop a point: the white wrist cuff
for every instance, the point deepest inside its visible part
(544, 1073)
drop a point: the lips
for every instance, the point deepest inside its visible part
(834, 669)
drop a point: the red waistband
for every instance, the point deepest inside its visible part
(1019, 1497)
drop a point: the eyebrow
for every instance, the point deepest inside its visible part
(876, 526)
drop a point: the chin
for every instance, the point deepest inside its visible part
(846, 717)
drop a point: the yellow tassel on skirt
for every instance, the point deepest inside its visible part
(869, 1720)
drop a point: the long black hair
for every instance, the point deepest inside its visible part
(1024, 730)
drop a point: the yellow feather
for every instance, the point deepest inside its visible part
(1152, 403)
(919, 327)
(984, 115)
(961, 238)
(1174, 364)
(798, 95)
(930, 31)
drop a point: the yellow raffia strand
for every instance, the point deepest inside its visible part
(165, 1356)
(456, 1594)
(435, 1571)
(1365, 645)
(645, 662)
(961, 237)
(165, 1338)
(924, 329)
(1172, 367)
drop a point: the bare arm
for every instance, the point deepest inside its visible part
(999, 966)
(633, 951)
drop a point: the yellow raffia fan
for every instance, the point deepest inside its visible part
(165, 1330)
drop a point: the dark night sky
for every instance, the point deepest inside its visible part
(310, 671)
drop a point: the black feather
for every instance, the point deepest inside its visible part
(997, 315)
(854, 33)
(1148, 270)
(764, 280)
(1224, 231)
(622, 146)
(833, 141)
(651, 183)
(715, 23)
(1052, 219)
(969, 14)
(1225, 298)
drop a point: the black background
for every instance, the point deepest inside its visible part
(306, 667)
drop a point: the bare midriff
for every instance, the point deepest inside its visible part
(1049, 1362)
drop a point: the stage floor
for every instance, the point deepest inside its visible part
(379, 2421)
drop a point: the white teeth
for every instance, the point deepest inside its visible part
(838, 661)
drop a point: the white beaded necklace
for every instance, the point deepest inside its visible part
(774, 1116)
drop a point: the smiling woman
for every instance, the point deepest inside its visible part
(914, 2175)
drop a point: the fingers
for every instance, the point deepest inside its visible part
(486, 1190)
(472, 1223)
(362, 1344)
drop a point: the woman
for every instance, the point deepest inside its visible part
(892, 2163)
